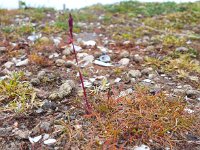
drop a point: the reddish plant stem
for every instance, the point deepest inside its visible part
(87, 105)
(88, 108)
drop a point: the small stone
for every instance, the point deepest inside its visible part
(49, 105)
(134, 73)
(179, 91)
(60, 62)
(124, 61)
(35, 139)
(34, 37)
(45, 126)
(147, 81)
(22, 134)
(126, 42)
(97, 54)
(77, 48)
(147, 71)
(22, 63)
(41, 74)
(49, 141)
(182, 49)
(100, 63)
(39, 111)
(194, 78)
(150, 48)
(53, 96)
(8, 64)
(5, 131)
(151, 76)
(35, 81)
(2, 49)
(69, 64)
(89, 44)
(133, 80)
(105, 58)
(142, 147)
(57, 40)
(186, 87)
(124, 54)
(193, 93)
(117, 80)
(137, 58)
(87, 60)
(42, 94)
(44, 40)
(54, 55)
(66, 52)
(66, 88)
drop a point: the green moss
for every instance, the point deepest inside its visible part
(15, 94)
(25, 29)
(172, 40)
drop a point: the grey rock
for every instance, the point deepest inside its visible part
(124, 54)
(179, 91)
(126, 43)
(66, 52)
(22, 134)
(53, 96)
(192, 93)
(97, 54)
(45, 126)
(187, 87)
(150, 48)
(124, 61)
(69, 64)
(66, 88)
(151, 76)
(147, 71)
(133, 80)
(87, 60)
(134, 73)
(35, 81)
(49, 105)
(54, 55)
(5, 131)
(60, 62)
(137, 58)
(44, 40)
(41, 74)
(42, 94)
(194, 78)
(39, 111)
(2, 49)
(22, 63)
(8, 64)
(182, 49)
(89, 44)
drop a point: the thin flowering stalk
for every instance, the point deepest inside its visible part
(87, 105)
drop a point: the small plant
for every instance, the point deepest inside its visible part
(87, 105)
(182, 64)
(171, 40)
(38, 60)
(25, 29)
(141, 117)
(15, 94)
